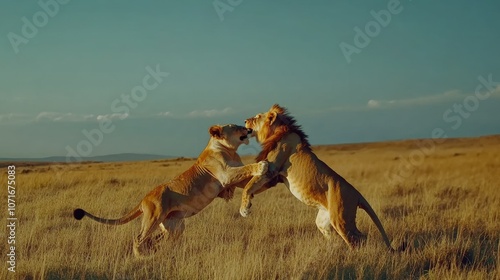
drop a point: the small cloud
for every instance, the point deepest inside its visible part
(89, 117)
(195, 114)
(57, 117)
(451, 93)
(417, 101)
(448, 96)
(348, 108)
(54, 116)
(210, 113)
(373, 104)
(71, 117)
(10, 116)
(165, 114)
(112, 116)
(15, 118)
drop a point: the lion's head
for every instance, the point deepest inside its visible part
(270, 127)
(230, 135)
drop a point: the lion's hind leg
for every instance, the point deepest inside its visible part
(323, 223)
(348, 231)
(342, 212)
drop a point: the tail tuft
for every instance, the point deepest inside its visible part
(79, 214)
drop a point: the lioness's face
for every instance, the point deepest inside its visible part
(230, 135)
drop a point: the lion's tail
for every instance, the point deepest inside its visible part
(136, 212)
(363, 204)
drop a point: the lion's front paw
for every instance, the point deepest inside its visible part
(262, 168)
(244, 212)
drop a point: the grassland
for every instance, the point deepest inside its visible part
(444, 205)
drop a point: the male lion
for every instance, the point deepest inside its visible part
(308, 178)
(215, 173)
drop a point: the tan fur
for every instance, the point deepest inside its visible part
(313, 182)
(216, 173)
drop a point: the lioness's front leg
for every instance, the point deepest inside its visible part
(233, 175)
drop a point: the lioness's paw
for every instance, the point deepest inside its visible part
(263, 166)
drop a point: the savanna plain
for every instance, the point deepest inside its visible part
(440, 201)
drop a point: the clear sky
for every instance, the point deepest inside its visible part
(347, 71)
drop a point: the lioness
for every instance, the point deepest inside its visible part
(308, 178)
(217, 171)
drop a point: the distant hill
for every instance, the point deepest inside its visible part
(391, 144)
(105, 158)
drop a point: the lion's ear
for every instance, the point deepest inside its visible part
(271, 116)
(215, 131)
(278, 109)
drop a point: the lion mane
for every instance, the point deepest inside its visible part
(285, 124)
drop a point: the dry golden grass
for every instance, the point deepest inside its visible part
(447, 209)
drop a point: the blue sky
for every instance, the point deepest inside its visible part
(416, 73)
